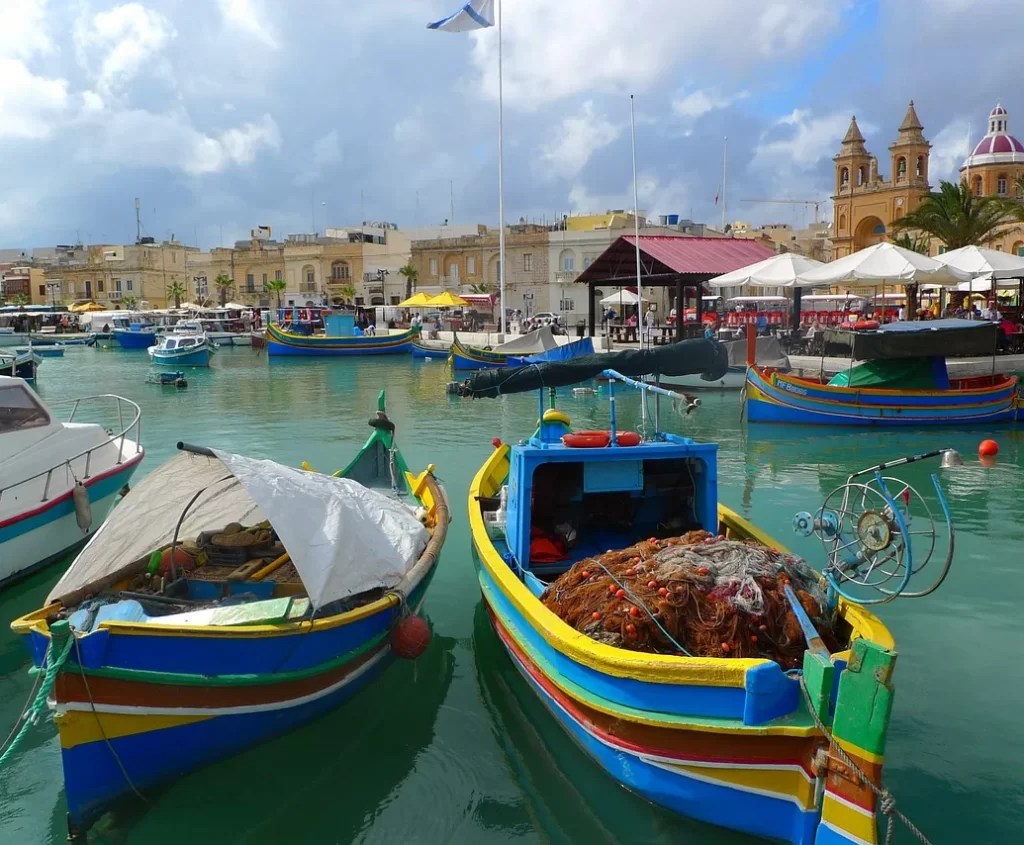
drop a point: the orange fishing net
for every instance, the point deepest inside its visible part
(713, 597)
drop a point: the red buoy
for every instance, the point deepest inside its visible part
(182, 561)
(410, 637)
(988, 448)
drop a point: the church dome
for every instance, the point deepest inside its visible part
(998, 146)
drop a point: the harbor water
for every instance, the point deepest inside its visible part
(456, 748)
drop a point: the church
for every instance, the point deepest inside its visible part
(865, 205)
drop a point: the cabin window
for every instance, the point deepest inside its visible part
(19, 410)
(172, 343)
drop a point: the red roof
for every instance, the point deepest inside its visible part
(667, 256)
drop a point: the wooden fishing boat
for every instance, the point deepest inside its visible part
(423, 349)
(517, 352)
(902, 380)
(171, 653)
(466, 357)
(743, 742)
(339, 338)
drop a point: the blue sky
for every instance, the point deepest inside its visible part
(226, 114)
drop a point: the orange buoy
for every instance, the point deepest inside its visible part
(410, 637)
(988, 448)
(182, 561)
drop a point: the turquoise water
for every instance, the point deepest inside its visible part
(456, 749)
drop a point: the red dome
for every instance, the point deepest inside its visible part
(997, 110)
(998, 146)
(993, 144)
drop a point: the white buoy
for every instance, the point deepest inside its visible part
(83, 509)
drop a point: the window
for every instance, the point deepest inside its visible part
(277, 275)
(1001, 184)
(433, 266)
(264, 280)
(567, 305)
(19, 410)
(568, 262)
(127, 284)
(117, 284)
(920, 166)
(310, 276)
(586, 262)
(1020, 251)
(846, 176)
(453, 272)
(395, 300)
(977, 186)
(340, 271)
(901, 169)
(360, 301)
(471, 265)
(842, 222)
(99, 286)
(942, 249)
(250, 280)
(860, 176)
(527, 262)
(42, 290)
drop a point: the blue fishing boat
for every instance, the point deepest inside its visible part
(696, 660)
(341, 336)
(423, 349)
(136, 336)
(19, 364)
(186, 346)
(510, 354)
(227, 601)
(900, 380)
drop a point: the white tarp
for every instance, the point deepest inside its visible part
(540, 340)
(342, 537)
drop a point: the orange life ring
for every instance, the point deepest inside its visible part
(860, 325)
(599, 439)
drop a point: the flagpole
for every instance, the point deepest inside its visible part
(501, 184)
(636, 230)
(725, 155)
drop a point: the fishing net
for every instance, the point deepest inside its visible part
(697, 594)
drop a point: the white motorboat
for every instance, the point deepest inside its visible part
(186, 346)
(58, 480)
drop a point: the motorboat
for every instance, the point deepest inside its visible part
(14, 362)
(58, 479)
(186, 346)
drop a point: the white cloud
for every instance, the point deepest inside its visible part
(140, 138)
(327, 150)
(410, 130)
(555, 50)
(653, 196)
(950, 147)
(24, 28)
(248, 17)
(699, 103)
(126, 37)
(28, 103)
(809, 140)
(580, 137)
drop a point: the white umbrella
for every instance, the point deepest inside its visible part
(985, 265)
(883, 263)
(235, 306)
(779, 271)
(192, 306)
(623, 297)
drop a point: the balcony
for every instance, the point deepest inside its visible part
(450, 281)
(308, 287)
(566, 276)
(115, 295)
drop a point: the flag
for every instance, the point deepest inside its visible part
(716, 195)
(476, 14)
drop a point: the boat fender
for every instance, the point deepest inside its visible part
(422, 514)
(862, 325)
(599, 439)
(410, 637)
(381, 421)
(83, 509)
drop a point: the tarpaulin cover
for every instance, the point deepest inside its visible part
(688, 357)
(902, 374)
(342, 537)
(537, 341)
(920, 339)
(576, 349)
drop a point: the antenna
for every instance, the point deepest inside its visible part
(138, 221)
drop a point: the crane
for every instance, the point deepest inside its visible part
(815, 203)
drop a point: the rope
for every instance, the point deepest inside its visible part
(33, 710)
(886, 798)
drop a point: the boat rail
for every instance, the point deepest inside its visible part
(135, 426)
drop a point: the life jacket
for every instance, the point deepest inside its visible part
(544, 548)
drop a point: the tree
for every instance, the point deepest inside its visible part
(409, 273)
(915, 242)
(176, 290)
(223, 285)
(130, 302)
(20, 299)
(276, 286)
(956, 217)
(482, 287)
(348, 292)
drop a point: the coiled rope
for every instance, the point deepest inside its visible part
(886, 798)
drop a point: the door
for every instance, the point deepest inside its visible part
(88, 289)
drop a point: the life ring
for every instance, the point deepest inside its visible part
(861, 325)
(599, 439)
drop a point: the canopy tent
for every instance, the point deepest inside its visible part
(85, 307)
(833, 297)
(883, 263)
(343, 538)
(447, 299)
(623, 297)
(779, 271)
(984, 265)
(417, 300)
(478, 298)
(759, 299)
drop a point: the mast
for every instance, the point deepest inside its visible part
(725, 156)
(501, 185)
(138, 221)
(642, 317)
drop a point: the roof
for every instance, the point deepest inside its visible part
(995, 144)
(910, 119)
(853, 133)
(663, 258)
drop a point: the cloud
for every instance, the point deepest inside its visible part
(654, 197)
(28, 103)
(555, 50)
(248, 17)
(326, 150)
(805, 139)
(411, 129)
(126, 37)
(699, 103)
(144, 139)
(580, 137)
(950, 147)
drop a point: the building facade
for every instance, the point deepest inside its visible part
(814, 241)
(24, 283)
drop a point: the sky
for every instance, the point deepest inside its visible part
(227, 114)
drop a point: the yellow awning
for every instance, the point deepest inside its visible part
(418, 300)
(82, 307)
(448, 300)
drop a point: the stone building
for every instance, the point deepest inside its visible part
(814, 241)
(18, 280)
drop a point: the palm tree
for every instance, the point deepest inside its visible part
(20, 299)
(176, 290)
(130, 302)
(409, 272)
(223, 284)
(915, 242)
(482, 287)
(348, 292)
(276, 286)
(956, 217)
